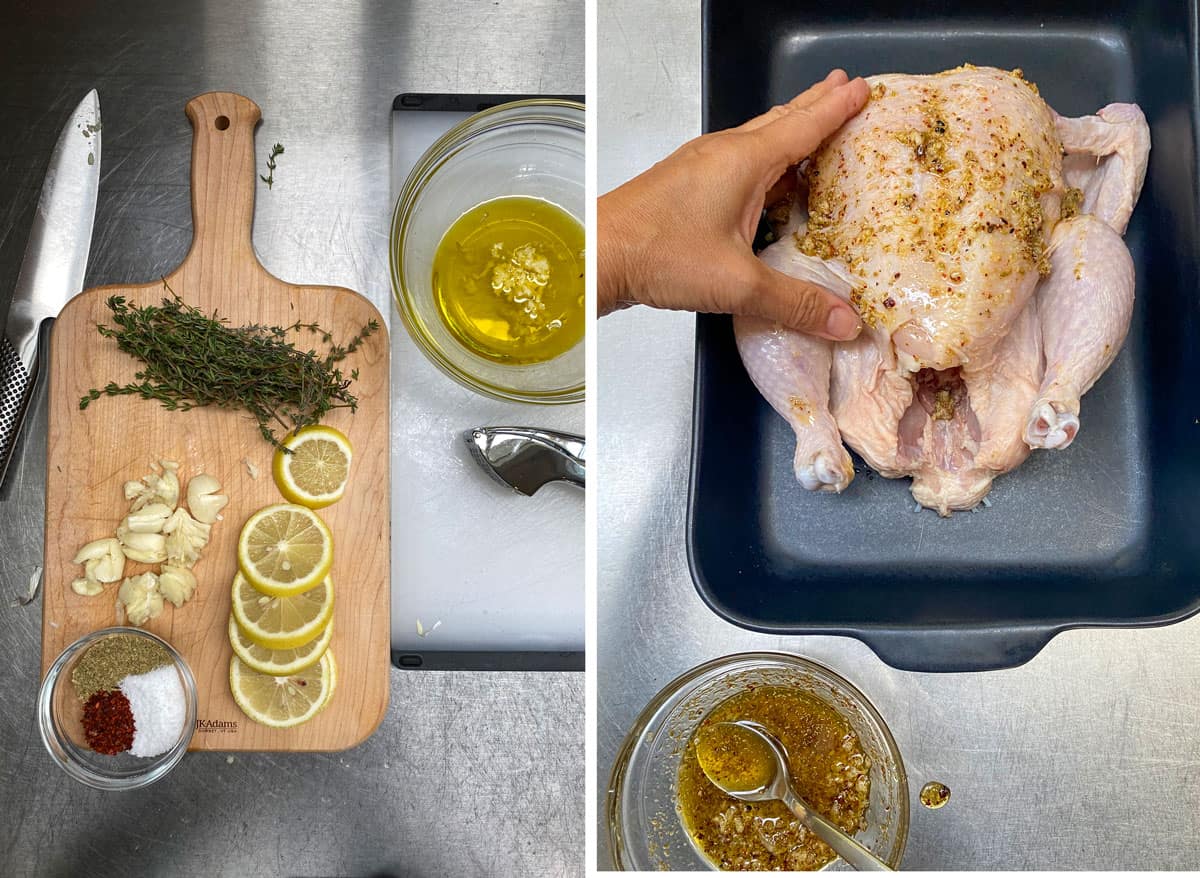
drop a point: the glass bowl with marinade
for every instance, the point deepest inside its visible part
(117, 709)
(664, 815)
(487, 252)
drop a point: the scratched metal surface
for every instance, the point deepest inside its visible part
(1087, 757)
(471, 774)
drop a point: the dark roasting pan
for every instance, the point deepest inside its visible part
(1103, 534)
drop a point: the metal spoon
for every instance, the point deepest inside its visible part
(763, 775)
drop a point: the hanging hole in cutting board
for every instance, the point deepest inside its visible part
(222, 122)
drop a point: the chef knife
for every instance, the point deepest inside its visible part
(55, 260)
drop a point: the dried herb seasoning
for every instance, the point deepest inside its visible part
(109, 661)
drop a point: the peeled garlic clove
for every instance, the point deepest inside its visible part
(94, 549)
(168, 488)
(154, 488)
(176, 584)
(87, 587)
(185, 538)
(141, 598)
(146, 548)
(203, 500)
(149, 519)
(107, 569)
(103, 560)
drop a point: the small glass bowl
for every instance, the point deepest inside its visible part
(60, 714)
(645, 829)
(531, 148)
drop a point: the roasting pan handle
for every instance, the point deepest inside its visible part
(958, 650)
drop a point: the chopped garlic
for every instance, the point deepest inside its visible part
(146, 548)
(250, 468)
(203, 500)
(141, 598)
(102, 560)
(87, 587)
(177, 584)
(149, 519)
(185, 538)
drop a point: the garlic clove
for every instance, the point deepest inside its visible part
(94, 549)
(87, 587)
(143, 547)
(177, 584)
(141, 598)
(203, 500)
(149, 519)
(156, 487)
(185, 538)
(104, 560)
(168, 488)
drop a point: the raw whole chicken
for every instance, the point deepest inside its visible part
(978, 235)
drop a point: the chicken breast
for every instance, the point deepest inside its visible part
(989, 273)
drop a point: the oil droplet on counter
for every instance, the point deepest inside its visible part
(934, 795)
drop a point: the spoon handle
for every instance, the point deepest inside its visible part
(846, 847)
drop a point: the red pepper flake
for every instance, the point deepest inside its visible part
(108, 722)
(889, 302)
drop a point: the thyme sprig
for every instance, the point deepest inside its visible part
(192, 359)
(269, 178)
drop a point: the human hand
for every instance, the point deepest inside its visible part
(680, 235)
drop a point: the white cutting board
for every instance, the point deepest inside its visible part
(493, 570)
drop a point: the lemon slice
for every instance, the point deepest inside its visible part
(277, 662)
(284, 701)
(282, 622)
(316, 471)
(285, 549)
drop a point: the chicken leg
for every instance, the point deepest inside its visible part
(791, 370)
(1084, 306)
(1086, 302)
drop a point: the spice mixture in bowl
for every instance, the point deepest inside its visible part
(117, 709)
(663, 813)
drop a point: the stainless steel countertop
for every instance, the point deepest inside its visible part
(1087, 757)
(453, 782)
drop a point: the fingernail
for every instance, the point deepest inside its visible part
(842, 323)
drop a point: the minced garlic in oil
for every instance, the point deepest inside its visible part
(829, 768)
(508, 280)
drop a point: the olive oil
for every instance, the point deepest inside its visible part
(508, 280)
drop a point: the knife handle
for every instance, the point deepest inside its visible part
(16, 389)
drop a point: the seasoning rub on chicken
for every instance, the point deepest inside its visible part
(978, 235)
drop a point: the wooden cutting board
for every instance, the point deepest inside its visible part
(92, 453)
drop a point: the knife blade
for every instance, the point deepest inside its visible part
(54, 265)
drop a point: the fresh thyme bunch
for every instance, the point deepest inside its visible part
(192, 360)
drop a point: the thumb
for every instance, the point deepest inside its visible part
(802, 305)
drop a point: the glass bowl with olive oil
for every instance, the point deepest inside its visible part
(487, 252)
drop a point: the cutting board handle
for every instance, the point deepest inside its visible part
(223, 181)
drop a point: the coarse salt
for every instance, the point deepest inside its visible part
(158, 704)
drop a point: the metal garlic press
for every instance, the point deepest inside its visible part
(525, 458)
